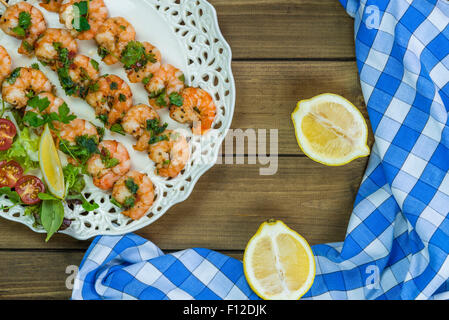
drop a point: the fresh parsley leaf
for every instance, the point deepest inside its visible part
(35, 66)
(38, 103)
(80, 20)
(135, 56)
(85, 204)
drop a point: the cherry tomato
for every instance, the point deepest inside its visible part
(28, 188)
(10, 173)
(7, 133)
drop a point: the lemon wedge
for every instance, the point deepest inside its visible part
(278, 263)
(51, 164)
(330, 130)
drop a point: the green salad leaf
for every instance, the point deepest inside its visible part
(24, 150)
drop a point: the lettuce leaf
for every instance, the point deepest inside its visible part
(24, 150)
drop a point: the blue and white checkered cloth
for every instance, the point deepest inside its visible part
(397, 242)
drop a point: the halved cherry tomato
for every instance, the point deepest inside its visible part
(28, 188)
(10, 173)
(7, 133)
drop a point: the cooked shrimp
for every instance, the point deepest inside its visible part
(50, 46)
(111, 97)
(5, 64)
(198, 109)
(142, 60)
(71, 135)
(23, 83)
(55, 103)
(83, 72)
(110, 165)
(135, 123)
(135, 193)
(170, 154)
(78, 128)
(96, 15)
(166, 82)
(25, 22)
(51, 5)
(112, 38)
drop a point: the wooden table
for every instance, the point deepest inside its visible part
(284, 50)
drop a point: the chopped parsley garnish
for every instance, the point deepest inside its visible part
(103, 52)
(83, 148)
(134, 56)
(146, 80)
(154, 126)
(176, 99)
(129, 202)
(103, 118)
(107, 160)
(156, 139)
(24, 24)
(118, 128)
(37, 120)
(80, 20)
(131, 185)
(35, 66)
(114, 86)
(122, 97)
(13, 76)
(95, 64)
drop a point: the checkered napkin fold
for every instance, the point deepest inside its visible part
(397, 242)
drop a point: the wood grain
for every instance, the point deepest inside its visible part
(42, 274)
(231, 201)
(292, 29)
(267, 93)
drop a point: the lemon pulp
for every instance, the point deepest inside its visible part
(50, 164)
(278, 262)
(330, 130)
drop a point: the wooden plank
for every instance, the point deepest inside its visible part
(277, 29)
(267, 93)
(231, 201)
(42, 274)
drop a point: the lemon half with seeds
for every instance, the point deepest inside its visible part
(330, 130)
(278, 263)
(51, 164)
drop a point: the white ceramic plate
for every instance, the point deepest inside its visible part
(188, 36)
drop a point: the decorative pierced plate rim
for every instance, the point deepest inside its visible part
(215, 37)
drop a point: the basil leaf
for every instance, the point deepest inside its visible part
(12, 195)
(52, 216)
(46, 196)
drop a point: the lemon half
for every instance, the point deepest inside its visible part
(330, 130)
(51, 164)
(278, 263)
